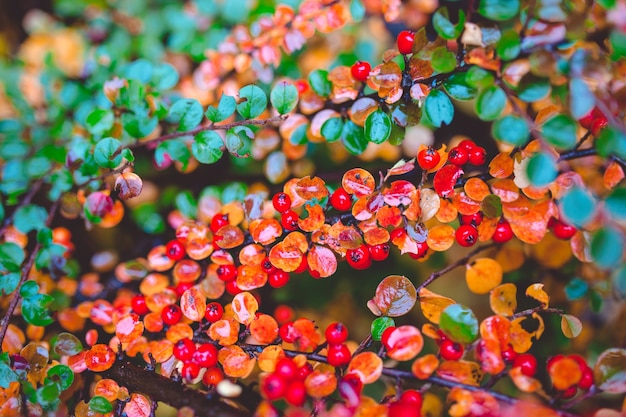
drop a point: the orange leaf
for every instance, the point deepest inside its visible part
(308, 338)
(464, 204)
(376, 235)
(252, 255)
(322, 261)
(503, 299)
(401, 167)
(483, 275)
(264, 329)
(433, 304)
(268, 358)
(536, 291)
(229, 237)
(320, 383)
(395, 296)
(235, 362)
(522, 382)
(506, 190)
(99, 358)
(552, 252)
(613, 175)
(389, 216)
(265, 231)
(224, 331)
(441, 237)
(476, 189)
(250, 277)
(347, 237)
(359, 182)
(368, 366)
(315, 220)
(398, 193)
(564, 372)
(501, 166)
(138, 406)
(404, 343)
(245, 307)
(464, 372)
(521, 340)
(285, 257)
(447, 211)
(129, 328)
(309, 188)
(423, 367)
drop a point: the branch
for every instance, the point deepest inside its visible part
(4, 324)
(459, 262)
(538, 309)
(168, 391)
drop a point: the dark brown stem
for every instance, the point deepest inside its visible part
(25, 201)
(538, 309)
(100, 177)
(454, 265)
(160, 388)
(4, 324)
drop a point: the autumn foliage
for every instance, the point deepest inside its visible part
(321, 207)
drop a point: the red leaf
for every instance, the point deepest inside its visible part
(445, 179)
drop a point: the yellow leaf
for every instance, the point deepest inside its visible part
(521, 340)
(522, 382)
(465, 372)
(552, 252)
(483, 275)
(503, 299)
(536, 291)
(433, 304)
(571, 326)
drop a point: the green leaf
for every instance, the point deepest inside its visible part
(511, 129)
(99, 404)
(187, 113)
(34, 305)
(284, 97)
(619, 282)
(438, 108)
(560, 131)
(61, 374)
(235, 191)
(531, 88)
(611, 141)
(224, 110)
(576, 289)
(578, 206)
(581, 99)
(99, 122)
(29, 289)
(379, 325)
(38, 166)
(491, 206)
(616, 203)
(459, 323)
(148, 219)
(67, 345)
(607, 247)
(30, 217)
(377, 127)
(479, 78)
(509, 45)
(106, 153)
(140, 124)
(490, 103)
(207, 147)
(444, 27)
(318, 80)
(353, 138)
(443, 60)
(186, 204)
(298, 136)
(128, 155)
(164, 76)
(331, 129)
(541, 169)
(254, 101)
(458, 88)
(11, 257)
(7, 375)
(9, 282)
(140, 70)
(357, 11)
(499, 9)
(175, 149)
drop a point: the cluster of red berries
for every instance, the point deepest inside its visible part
(594, 121)
(288, 218)
(422, 247)
(586, 380)
(449, 350)
(338, 353)
(287, 381)
(195, 357)
(408, 405)
(361, 258)
(467, 152)
(561, 229)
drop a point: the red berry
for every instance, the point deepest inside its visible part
(458, 156)
(302, 86)
(478, 156)
(296, 393)
(304, 371)
(218, 221)
(281, 202)
(287, 369)
(467, 145)
(182, 287)
(509, 354)
(405, 41)
(359, 258)
(184, 349)
(288, 332)
(587, 119)
(283, 314)
(266, 265)
(384, 338)
(398, 233)
(336, 333)
(472, 219)
(341, 200)
(206, 355)
(289, 220)
(379, 252)
(563, 230)
(139, 305)
(214, 312)
(586, 381)
(466, 235)
(422, 250)
(350, 387)
(338, 355)
(451, 351)
(273, 387)
(232, 288)
(411, 396)
(428, 158)
(552, 360)
(190, 371)
(278, 278)
(212, 376)
(598, 124)
(304, 265)
(226, 272)
(403, 409)
(503, 232)
(175, 250)
(582, 363)
(360, 70)
(527, 363)
(171, 314)
(569, 393)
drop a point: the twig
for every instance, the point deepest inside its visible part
(538, 309)
(4, 324)
(117, 170)
(459, 262)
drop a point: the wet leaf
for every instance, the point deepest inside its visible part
(483, 275)
(445, 179)
(129, 328)
(235, 362)
(284, 97)
(264, 328)
(193, 304)
(309, 188)
(322, 261)
(67, 345)
(395, 296)
(438, 108)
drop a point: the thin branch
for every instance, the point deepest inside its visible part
(211, 126)
(107, 174)
(34, 188)
(454, 265)
(538, 309)
(4, 324)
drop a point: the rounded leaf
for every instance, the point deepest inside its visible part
(245, 307)
(483, 275)
(67, 344)
(193, 304)
(395, 296)
(129, 185)
(502, 299)
(207, 147)
(253, 101)
(560, 131)
(541, 169)
(578, 206)
(571, 326)
(284, 97)
(377, 126)
(107, 153)
(404, 343)
(490, 102)
(187, 113)
(610, 371)
(459, 323)
(438, 108)
(511, 129)
(368, 366)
